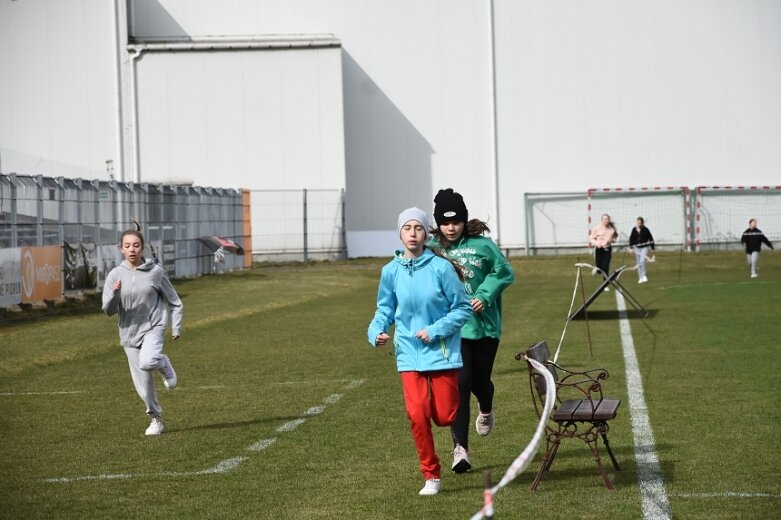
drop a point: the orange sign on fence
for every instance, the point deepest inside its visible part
(41, 273)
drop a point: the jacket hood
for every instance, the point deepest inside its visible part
(146, 266)
(413, 264)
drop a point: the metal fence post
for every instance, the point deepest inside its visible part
(39, 209)
(306, 237)
(61, 209)
(115, 201)
(79, 210)
(14, 213)
(97, 238)
(344, 222)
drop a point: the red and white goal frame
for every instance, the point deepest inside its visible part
(722, 214)
(665, 209)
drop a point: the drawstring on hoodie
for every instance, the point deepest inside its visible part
(409, 265)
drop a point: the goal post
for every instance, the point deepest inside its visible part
(722, 214)
(665, 210)
(554, 222)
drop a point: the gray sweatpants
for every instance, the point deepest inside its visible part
(753, 262)
(641, 257)
(144, 362)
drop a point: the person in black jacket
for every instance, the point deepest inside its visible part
(753, 239)
(641, 241)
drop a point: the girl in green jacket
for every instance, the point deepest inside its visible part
(486, 274)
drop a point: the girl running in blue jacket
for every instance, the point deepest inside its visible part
(422, 294)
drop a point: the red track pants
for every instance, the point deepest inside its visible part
(429, 396)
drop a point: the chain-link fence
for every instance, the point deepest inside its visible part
(89, 217)
(298, 224)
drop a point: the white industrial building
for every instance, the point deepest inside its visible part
(390, 100)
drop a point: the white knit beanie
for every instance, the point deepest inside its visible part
(413, 214)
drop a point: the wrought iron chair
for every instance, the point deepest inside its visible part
(580, 411)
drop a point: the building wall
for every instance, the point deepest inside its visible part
(589, 94)
(58, 109)
(618, 94)
(417, 95)
(255, 119)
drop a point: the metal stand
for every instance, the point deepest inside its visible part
(611, 280)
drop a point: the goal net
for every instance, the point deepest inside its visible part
(555, 221)
(666, 212)
(722, 214)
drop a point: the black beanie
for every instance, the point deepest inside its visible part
(449, 205)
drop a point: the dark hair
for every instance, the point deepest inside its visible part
(134, 232)
(460, 272)
(641, 219)
(751, 220)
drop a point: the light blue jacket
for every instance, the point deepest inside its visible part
(417, 293)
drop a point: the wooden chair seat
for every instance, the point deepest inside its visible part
(580, 410)
(584, 417)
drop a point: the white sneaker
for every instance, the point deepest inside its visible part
(754, 275)
(155, 427)
(432, 487)
(168, 373)
(460, 460)
(607, 289)
(594, 272)
(484, 423)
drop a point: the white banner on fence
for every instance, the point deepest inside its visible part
(10, 276)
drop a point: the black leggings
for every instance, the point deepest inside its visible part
(602, 259)
(474, 378)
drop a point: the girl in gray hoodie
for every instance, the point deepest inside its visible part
(140, 291)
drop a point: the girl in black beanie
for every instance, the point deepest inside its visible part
(486, 274)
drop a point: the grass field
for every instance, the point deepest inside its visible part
(262, 350)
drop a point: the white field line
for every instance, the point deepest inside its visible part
(728, 494)
(228, 464)
(12, 394)
(262, 444)
(290, 425)
(709, 284)
(222, 467)
(313, 382)
(655, 504)
(89, 477)
(68, 392)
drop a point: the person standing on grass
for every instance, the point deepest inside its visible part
(602, 238)
(486, 274)
(753, 238)
(641, 241)
(422, 294)
(140, 291)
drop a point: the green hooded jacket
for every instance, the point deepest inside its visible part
(486, 274)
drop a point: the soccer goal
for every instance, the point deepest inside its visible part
(554, 222)
(722, 214)
(666, 211)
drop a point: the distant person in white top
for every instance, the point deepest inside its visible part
(753, 239)
(140, 291)
(641, 241)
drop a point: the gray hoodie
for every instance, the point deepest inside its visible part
(140, 301)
